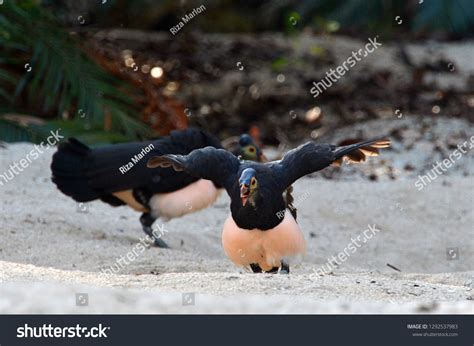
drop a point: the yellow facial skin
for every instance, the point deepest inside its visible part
(253, 191)
(249, 153)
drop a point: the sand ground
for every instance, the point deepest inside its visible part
(51, 249)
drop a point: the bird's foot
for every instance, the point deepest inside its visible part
(285, 268)
(274, 270)
(147, 221)
(160, 243)
(156, 240)
(255, 268)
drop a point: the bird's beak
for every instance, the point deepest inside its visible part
(244, 194)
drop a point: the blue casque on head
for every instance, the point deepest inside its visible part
(246, 176)
(245, 140)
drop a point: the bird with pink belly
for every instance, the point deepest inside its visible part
(259, 234)
(87, 174)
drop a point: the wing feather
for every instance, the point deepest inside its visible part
(312, 157)
(210, 163)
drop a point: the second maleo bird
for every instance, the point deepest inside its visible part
(259, 234)
(87, 174)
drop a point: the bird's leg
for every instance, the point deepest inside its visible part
(147, 221)
(274, 270)
(285, 268)
(255, 268)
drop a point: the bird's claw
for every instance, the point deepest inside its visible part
(160, 243)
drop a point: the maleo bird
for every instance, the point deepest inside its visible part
(248, 150)
(105, 173)
(259, 234)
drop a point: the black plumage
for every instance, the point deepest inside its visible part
(248, 150)
(273, 177)
(87, 174)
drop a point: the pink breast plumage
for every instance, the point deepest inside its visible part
(194, 197)
(265, 248)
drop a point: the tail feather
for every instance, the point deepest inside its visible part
(69, 167)
(370, 151)
(358, 152)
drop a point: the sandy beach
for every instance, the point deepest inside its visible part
(52, 248)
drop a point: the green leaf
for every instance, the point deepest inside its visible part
(63, 78)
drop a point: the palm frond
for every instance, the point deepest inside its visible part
(46, 71)
(451, 15)
(11, 131)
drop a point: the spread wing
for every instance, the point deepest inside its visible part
(312, 157)
(210, 163)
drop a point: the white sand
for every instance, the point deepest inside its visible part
(49, 251)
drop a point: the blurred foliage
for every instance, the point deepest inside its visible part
(11, 131)
(44, 71)
(358, 17)
(454, 17)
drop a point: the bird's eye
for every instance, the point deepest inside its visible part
(253, 182)
(252, 149)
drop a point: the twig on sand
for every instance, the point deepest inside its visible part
(393, 267)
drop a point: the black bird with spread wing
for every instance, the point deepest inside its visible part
(259, 234)
(87, 174)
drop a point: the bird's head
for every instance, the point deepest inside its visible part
(248, 186)
(248, 149)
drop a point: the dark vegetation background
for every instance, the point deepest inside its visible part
(109, 71)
